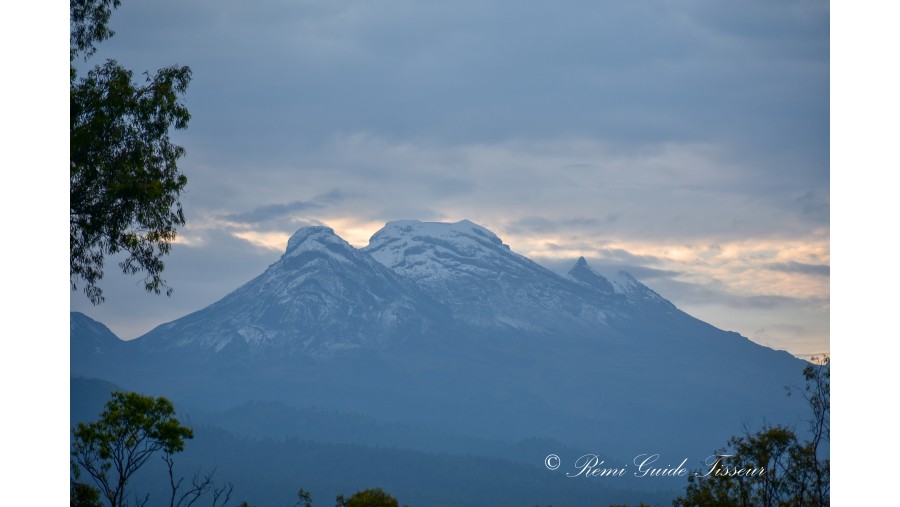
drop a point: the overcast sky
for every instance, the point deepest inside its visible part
(684, 140)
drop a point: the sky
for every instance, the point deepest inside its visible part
(686, 142)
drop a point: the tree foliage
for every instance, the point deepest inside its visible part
(124, 179)
(304, 498)
(130, 430)
(375, 497)
(83, 495)
(817, 392)
(794, 472)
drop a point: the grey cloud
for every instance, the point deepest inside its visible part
(769, 301)
(645, 274)
(572, 245)
(717, 294)
(800, 21)
(814, 206)
(271, 211)
(401, 213)
(632, 72)
(278, 211)
(276, 83)
(619, 255)
(539, 224)
(531, 224)
(802, 268)
(451, 187)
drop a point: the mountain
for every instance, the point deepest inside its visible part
(442, 326)
(93, 347)
(321, 297)
(480, 279)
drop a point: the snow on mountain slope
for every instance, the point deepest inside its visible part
(483, 282)
(431, 252)
(322, 296)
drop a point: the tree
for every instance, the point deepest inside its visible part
(813, 473)
(767, 451)
(375, 497)
(304, 498)
(83, 495)
(793, 474)
(124, 179)
(200, 485)
(131, 429)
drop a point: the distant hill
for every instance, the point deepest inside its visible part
(268, 470)
(87, 397)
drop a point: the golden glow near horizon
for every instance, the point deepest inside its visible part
(268, 240)
(352, 231)
(738, 264)
(761, 269)
(748, 268)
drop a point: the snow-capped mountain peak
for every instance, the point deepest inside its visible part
(323, 295)
(483, 282)
(317, 239)
(445, 230)
(432, 252)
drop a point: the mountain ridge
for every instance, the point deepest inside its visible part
(411, 277)
(443, 326)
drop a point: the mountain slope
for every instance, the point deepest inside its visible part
(321, 297)
(443, 327)
(93, 347)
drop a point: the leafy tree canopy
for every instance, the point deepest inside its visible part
(375, 497)
(794, 472)
(124, 179)
(131, 429)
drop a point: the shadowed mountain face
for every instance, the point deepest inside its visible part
(443, 326)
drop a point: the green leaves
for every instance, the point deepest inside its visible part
(131, 429)
(375, 497)
(124, 178)
(794, 475)
(89, 19)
